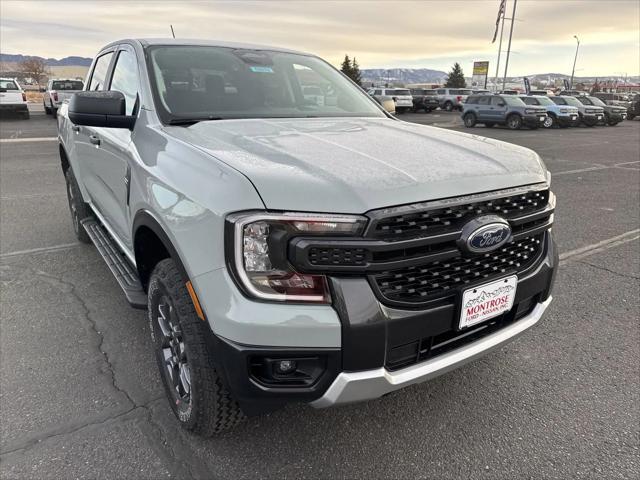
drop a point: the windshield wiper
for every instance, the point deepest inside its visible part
(192, 121)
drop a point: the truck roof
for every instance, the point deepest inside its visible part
(145, 42)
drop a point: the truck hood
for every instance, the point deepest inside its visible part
(352, 165)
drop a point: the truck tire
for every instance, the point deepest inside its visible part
(183, 351)
(77, 207)
(550, 121)
(47, 110)
(448, 106)
(631, 116)
(469, 120)
(514, 122)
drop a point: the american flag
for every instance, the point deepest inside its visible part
(503, 5)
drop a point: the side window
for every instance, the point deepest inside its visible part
(441, 91)
(496, 101)
(99, 73)
(125, 78)
(530, 101)
(483, 100)
(378, 92)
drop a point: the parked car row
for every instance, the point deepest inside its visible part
(534, 111)
(423, 99)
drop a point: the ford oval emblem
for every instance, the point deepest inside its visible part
(485, 234)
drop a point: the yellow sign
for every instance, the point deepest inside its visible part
(480, 68)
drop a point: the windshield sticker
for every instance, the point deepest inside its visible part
(261, 69)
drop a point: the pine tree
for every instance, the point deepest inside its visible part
(456, 77)
(356, 76)
(346, 67)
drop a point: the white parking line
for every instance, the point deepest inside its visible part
(589, 250)
(32, 251)
(580, 170)
(24, 140)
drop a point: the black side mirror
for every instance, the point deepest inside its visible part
(100, 109)
(501, 104)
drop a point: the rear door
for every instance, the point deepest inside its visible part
(483, 107)
(497, 109)
(88, 153)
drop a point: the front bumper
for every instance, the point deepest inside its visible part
(351, 387)
(568, 120)
(358, 367)
(534, 120)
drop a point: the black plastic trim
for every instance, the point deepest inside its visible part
(143, 218)
(254, 398)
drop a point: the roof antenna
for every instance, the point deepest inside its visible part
(172, 32)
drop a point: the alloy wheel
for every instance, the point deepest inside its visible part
(172, 350)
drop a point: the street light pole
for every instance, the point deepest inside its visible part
(506, 66)
(574, 62)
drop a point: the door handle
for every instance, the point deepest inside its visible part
(75, 128)
(94, 139)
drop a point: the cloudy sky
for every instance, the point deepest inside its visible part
(381, 34)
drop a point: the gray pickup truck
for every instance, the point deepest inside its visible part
(289, 250)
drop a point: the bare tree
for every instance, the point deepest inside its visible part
(35, 68)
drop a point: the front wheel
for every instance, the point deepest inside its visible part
(47, 110)
(184, 355)
(514, 122)
(549, 122)
(469, 120)
(448, 106)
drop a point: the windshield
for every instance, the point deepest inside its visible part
(8, 85)
(203, 82)
(67, 85)
(544, 101)
(513, 101)
(573, 101)
(596, 101)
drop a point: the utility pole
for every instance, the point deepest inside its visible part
(574, 62)
(172, 32)
(506, 66)
(495, 80)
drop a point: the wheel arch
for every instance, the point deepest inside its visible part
(152, 244)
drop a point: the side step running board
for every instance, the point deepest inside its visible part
(125, 274)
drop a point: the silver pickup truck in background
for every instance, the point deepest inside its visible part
(290, 249)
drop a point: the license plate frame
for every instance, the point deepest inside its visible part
(476, 302)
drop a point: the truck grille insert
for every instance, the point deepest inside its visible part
(417, 284)
(426, 222)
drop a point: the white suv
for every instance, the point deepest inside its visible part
(401, 97)
(12, 98)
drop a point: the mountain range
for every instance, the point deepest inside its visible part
(52, 62)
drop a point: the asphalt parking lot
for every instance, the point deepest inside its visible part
(80, 395)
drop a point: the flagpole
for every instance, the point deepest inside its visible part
(495, 79)
(506, 65)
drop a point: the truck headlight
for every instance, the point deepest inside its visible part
(532, 111)
(564, 110)
(256, 247)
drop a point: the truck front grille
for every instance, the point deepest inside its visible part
(421, 283)
(415, 221)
